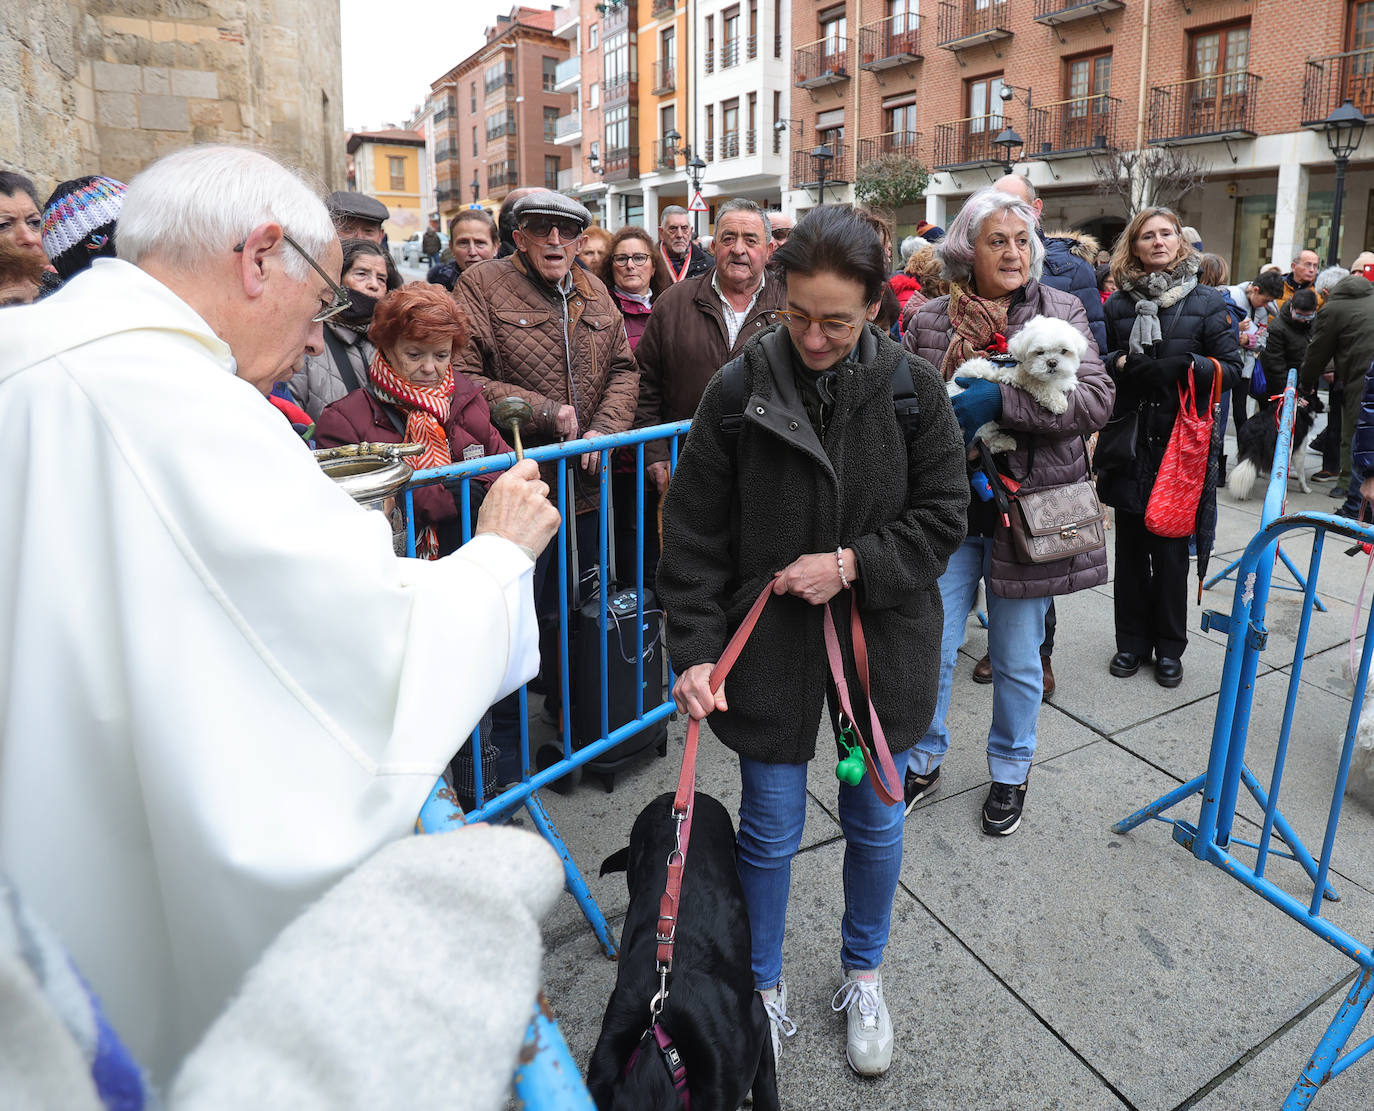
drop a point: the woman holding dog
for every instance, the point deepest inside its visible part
(1162, 324)
(814, 487)
(992, 258)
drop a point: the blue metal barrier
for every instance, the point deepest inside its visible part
(1212, 838)
(532, 778)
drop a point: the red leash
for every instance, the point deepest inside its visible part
(686, 783)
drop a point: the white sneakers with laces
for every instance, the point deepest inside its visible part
(779, 1025)
(869, 1049)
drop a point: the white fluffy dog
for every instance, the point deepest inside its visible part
(1047, 352)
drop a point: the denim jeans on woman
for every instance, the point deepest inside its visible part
(772, 813)
(1016, 626)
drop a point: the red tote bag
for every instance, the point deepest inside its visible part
(1172, 509)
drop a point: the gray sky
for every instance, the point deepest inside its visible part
(393, 49)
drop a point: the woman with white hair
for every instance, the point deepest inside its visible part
(992, 258)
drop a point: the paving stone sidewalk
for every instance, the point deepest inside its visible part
(1065, 966)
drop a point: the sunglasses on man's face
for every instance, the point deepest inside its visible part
(541, 227)
(780, 234)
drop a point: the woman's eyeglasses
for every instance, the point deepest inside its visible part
(626, 260)
(831, 327)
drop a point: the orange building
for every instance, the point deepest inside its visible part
(389, 165)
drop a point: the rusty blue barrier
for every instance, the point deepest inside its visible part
(1212, 838)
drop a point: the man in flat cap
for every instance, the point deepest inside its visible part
(358, 216)
(549, 332)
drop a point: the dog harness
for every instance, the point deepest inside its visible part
(671, 1058)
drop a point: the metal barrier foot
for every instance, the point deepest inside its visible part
(577, 886)
(1161, 804)
(1327, 1062)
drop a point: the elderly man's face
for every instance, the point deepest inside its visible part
(21, 222)
(285, 332)
(550, 249)
(741, 250)
(780, 227)
(676, 234)
(1305, 266)
(352, 228)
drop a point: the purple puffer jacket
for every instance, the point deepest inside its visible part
(1059, 454)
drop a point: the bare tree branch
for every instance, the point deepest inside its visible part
(1149, 178)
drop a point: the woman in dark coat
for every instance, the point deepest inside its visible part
(412, 395)
(1161, 325)
(822, 493)
(991, 257)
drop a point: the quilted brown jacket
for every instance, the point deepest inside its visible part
(685, 343)
(530, 341)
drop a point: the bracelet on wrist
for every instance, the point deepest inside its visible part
(839, 559)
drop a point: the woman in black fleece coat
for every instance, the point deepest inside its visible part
(1161, 325)
(823, 494)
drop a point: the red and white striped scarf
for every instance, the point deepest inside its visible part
(426, 409)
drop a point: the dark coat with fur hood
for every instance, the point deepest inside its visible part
(736, 512)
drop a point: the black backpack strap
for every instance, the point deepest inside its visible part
(732, 401)
(339, 350)
(904, 402)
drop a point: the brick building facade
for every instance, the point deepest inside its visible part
(496, 117)
(1236, 83)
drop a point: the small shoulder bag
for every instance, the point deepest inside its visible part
(1057, 522)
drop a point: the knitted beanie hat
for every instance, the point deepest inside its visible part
(79, 222)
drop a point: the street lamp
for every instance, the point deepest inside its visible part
(823, 156)
(1009, 141)
(694, 167)
(476, 188)
(1344, 129)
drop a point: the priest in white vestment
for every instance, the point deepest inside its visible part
(219, 689)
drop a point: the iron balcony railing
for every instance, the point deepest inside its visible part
(500, 81)
(444, 111)
(665, 76)
(972, 21)
(619, 86)
(615, 16)
(662, 7)
(903, 144)
(969, 142)
(665, 157)
(445, 152)
(729, 145)
(751, 48)
(498, 178)
(806, 168)
(750, 141)
(1054, 12)
(710, 60)
(567, 125)
(708, 149)
(1214, 107)
(1327, 82)
(823, 62)
(729, 53)
(893, 41)
(447, 193)
(1080, 124)
(621, 164)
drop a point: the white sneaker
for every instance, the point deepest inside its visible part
(869, 1050)
(775, 1003)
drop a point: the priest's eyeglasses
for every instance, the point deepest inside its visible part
(831, 327)
(340, 299)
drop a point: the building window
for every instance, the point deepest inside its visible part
(474, 142)
(903, 16)
(619, 71)
(710, 44)
(552, 164)
(550, 74)
(983, 103)
(752, 42)
(500, 124)
(777, 28)
(593, 36)
(1359, 70)
(473, 106)
(594, 95)
(1224, 52)
(901, 126)
(397, 168)
(550, 124)
(617, 129)
(729, 129)
(777, 119)
(667, 50)
(710, 133)
(498, 74)
(751, 126)
(729, 33)
(830, 129)
(1087, 81)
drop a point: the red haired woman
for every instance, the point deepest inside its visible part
(412, 395)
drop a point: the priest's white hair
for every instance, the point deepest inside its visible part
(196, 203)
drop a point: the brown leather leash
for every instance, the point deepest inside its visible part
(881, 768)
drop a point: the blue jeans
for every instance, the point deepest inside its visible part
(1016, 627)
(772, 812)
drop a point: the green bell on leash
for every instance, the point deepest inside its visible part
(850, 770)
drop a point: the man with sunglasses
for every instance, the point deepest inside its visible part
(218, 680)
(548, 331)
(699, 325)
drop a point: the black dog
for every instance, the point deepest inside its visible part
(713, 1015)
(1258, 439)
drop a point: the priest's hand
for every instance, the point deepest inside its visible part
(517, 508)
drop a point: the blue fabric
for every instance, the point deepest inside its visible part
(1066, 271)
(1016, 627)
(772, 813)
(1362, 448)
(980, 402)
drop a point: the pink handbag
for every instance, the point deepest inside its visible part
(1172, 509)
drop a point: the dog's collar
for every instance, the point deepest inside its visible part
(671, 1058)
